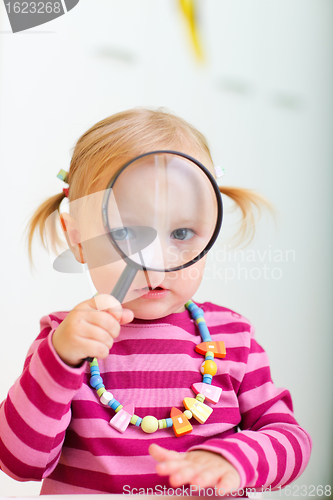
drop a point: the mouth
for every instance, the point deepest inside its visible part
(154, 293)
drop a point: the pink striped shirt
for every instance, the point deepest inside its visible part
(53, 426)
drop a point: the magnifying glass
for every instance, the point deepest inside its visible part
(162, 212)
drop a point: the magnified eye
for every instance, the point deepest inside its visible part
(122, 233)
(182, 233)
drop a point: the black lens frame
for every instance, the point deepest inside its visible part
(219, 211)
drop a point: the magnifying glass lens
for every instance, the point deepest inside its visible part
(163, 211)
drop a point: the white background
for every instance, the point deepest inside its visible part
(263, 98)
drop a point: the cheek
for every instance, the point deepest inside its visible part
(191, 277)
(194, 274)
(105, 278)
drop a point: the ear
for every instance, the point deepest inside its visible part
(72, 235)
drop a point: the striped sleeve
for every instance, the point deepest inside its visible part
(37, 411)
(270, 449)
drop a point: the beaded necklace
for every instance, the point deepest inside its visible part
(195, 407)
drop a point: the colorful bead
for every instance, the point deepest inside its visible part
(207, 378)
(118, 408)
(162, 424)
(122, 419)
(197, 313)
(101, 391)
(199, 410)
(96, 380)
(190, 305)
(135, 420)
(188, 414)
(208, 367)
(106, 398)
(114, 404)
(204, 332)
(149, 424)
(218, 348)
(181, 425)
(211, 392)
(169, 422)
(209, 355)
(200, 397)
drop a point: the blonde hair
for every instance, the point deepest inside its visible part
(110, 143)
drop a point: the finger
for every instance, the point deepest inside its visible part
(102, 320)
(168, 467)
(102, 302)
(94, 349)
(82, 349)
(95, 333)
(207, 476)
(161, 454)
(229, 481)
(184, 475)
(127, 316)
(110, 304)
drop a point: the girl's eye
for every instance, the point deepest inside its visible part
(183, 233)
(123, 233)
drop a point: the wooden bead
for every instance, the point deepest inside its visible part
(216, 347)
(135, 420)
(197, 312)
(208, 367)
(114, 404)
(169, 422)
(199, 410)
(211, 393)
(162, 424)
(149, 424)
(106, 397)
(200, 397)
(122, 418)
(188, 414)
(96, 381)
(181, 425)
(204, 332)
(101, 391)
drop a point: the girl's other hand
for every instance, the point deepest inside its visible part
(199, 468)
(88, 331)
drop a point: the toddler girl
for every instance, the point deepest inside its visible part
(54, 424)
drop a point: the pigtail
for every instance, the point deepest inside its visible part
(37, 224)
(251, 205)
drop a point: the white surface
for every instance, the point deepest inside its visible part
(263, 99)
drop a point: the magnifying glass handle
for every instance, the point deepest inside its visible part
(121, 288)
(124, 282)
